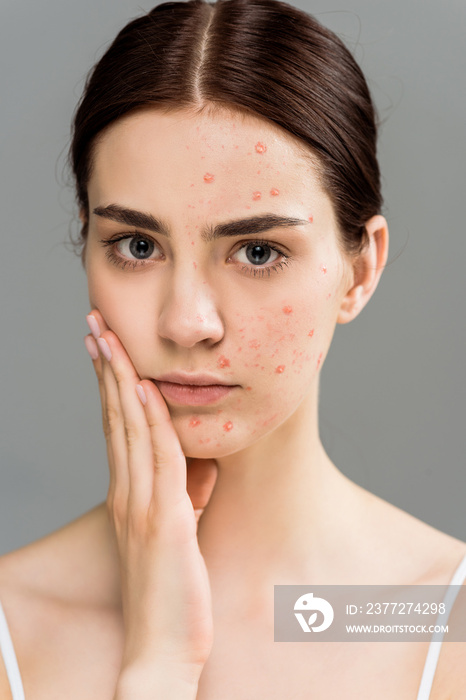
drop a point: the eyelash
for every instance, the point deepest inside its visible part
(254, 270)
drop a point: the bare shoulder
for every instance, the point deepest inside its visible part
(57, 593)
(404, 548)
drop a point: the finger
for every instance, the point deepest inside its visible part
(113, 427)
(96, 323)
(97, 362)
(169, 486)
(133, 418)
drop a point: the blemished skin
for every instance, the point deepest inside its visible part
(203, 306)
(95, 606)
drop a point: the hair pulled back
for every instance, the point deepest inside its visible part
(259, 56)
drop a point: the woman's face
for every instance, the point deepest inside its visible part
(252, 304)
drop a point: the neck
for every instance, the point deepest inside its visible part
(277, 509)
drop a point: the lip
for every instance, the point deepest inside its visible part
(187, 389)
(192, 379)
(192, 394)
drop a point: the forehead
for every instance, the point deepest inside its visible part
(209, 162)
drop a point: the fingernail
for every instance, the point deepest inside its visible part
(141, 393)
(93, 326)
(91, 347)
(103, 345)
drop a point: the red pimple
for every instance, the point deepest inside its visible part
(319, 360)
(280, 369)
(311, 333)
(274, 192)
(256, 195)
(311, 219)
(194, 423)
(228, 426)
(223, 361)
(260, 147)
(329, 295)
(249, 388)
(195, 265)
(324, 268)
(208, 177)
(287, 310)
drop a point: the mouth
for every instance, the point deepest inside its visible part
(193, 390)
(192, 394)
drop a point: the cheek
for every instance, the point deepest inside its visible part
(277, 343)
(121, 307)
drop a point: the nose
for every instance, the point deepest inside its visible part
(189, 313)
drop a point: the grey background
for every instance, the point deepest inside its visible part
(393, 385)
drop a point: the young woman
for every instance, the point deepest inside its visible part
(226, 173)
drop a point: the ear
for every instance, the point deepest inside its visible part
(367, 270)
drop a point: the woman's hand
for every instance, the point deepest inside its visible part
(165, 588)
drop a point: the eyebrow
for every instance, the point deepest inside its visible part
(240, 227)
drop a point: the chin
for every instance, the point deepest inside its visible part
(205, 446)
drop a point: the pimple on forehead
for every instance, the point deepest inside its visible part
(287, 310)
(280, 369)
(208, 177)
(260, 147)
(274, 192)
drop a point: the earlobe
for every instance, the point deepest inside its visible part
(367, 269)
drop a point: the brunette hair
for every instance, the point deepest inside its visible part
(263, 57)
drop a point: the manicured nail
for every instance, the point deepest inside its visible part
(91, 347)
(93, 326)
(103, 345)
(141, 393)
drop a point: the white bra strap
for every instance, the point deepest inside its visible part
(9, 657)
(434, 647)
